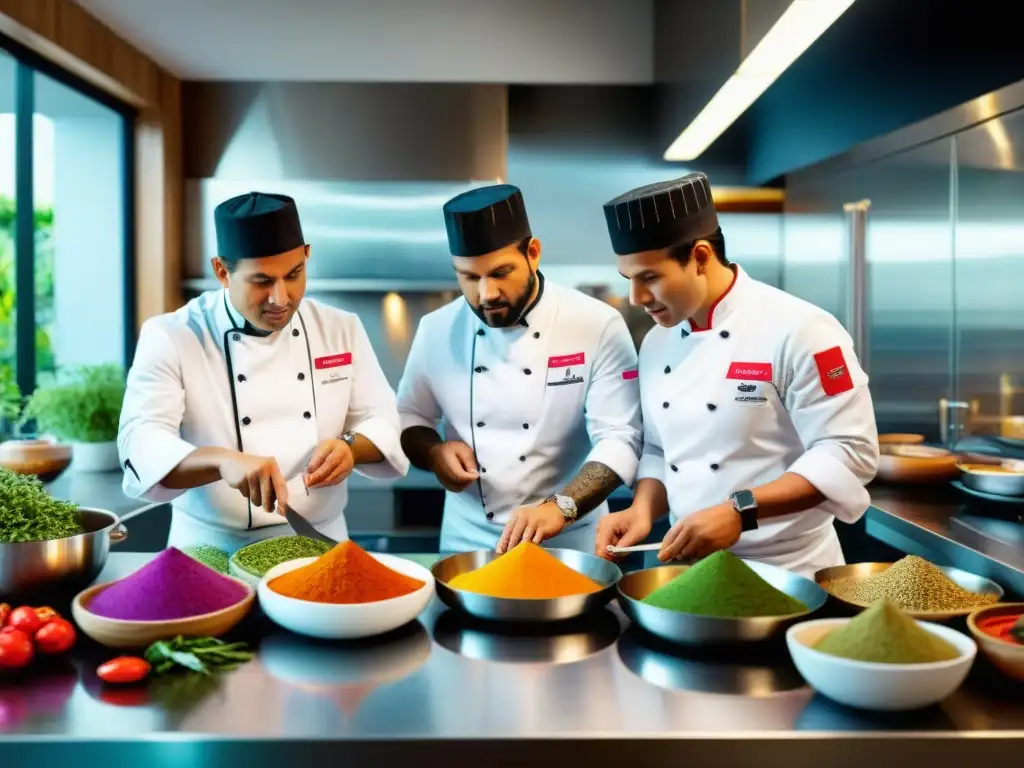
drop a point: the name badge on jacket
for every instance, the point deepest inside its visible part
(748, 382)
(566, 369)
(331, 364)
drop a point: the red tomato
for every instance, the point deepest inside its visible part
(46, 614)
(25, 619)
(9, 628)
(123, 669)
(15, 649)
(55, 637)
(5, 612)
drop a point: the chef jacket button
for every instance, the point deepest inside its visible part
(236, 336)
(685, 333)
(668, 369)
(522, 458)
(526, 426)
(302, 377)
(480, 332)
(724, 334)
(711, 406)
(674, 468)
(295, 331)
(665, 404)
(241, 377)
(536, 334)
(714, 467)
(527, 371)
(483, 470)
(307, 415)
(479, 369)
(246, 421)
(490, 515)
(479, 423)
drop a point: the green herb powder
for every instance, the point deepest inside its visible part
(29, 513)
(883, 633)
(209, 555)
(723, 585)
(260, 557)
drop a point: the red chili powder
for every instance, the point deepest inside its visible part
(345, 574)
(1000, 626)
(170, 586)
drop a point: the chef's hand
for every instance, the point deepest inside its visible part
(454, 464)
(534, 523)
(701, 534)
(332, 462)
(621, 529)
(257, 478)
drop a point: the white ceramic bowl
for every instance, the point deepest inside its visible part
(876, 686)
(332, 621)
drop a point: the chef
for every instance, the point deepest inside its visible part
(251, 397)
(535, 384)
(758, 425)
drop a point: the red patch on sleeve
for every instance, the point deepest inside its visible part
(750, 371)
(630, 374)
(833, 372)
(333, 361)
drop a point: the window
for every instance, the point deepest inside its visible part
(67, 257)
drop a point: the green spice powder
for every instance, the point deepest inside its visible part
(209, 555)
(723, 585)
(260, 557)
(883, 633)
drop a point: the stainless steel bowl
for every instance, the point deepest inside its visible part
(604, 572)
(693, 629)
(60, 564)
(979, 477)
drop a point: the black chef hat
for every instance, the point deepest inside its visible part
(256, 225)
(485, 219)
(661, 215)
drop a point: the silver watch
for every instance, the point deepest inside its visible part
(350, 438)
(566, 504)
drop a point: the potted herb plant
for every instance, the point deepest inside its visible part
(82, 407)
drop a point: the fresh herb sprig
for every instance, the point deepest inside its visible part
(205, 655)
(29, 513)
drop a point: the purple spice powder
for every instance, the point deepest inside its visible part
(171, 586)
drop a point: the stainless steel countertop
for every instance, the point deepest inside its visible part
(461, 691)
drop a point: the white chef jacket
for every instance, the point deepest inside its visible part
(772, 385)
(200, 379)
(534, 401)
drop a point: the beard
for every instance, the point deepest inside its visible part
(514, 311)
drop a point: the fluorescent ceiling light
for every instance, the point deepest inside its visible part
(800, 25)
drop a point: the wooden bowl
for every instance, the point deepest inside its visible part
(900, 438)
(117, 633)
(1006, 656)
(902, 463)
(45, 458)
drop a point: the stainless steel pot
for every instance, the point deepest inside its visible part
(60, 564)
(987, 479)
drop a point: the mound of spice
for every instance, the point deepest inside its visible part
(345, 574)
(209, 555)
(527, 571)
(261, 556)
(723, 585)
(912, 584)
(884, 634)
(170, 586)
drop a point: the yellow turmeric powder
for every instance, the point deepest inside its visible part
(525, 572)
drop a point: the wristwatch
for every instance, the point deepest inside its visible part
(564, 503)
(746, 507)
(350, 438)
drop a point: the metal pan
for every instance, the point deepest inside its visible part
(1005, 479)
(863, 571)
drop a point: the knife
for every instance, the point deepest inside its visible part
(303, 527)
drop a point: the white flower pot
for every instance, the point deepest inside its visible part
(95, 457)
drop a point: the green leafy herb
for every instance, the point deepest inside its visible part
(29, 513)
(83, 405)
(205, 655)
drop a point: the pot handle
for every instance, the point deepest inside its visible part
(119, 534)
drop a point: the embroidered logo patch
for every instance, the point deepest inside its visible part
(333, 361)
(833, 372)
(631, 374)
(750, 371)
(566, 369)
(563, 360)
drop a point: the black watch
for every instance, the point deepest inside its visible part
(746, 507)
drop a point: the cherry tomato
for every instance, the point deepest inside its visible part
(46, 614)
(25, 619)
(55, 637)
(15, 649)
(5, 612)
(123, 669)
(9, 628)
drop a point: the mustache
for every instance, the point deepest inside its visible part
(496, 305)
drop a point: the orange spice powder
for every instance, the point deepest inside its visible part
(526, 571)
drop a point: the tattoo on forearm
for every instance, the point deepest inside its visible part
(591, 486)
(417, 442)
